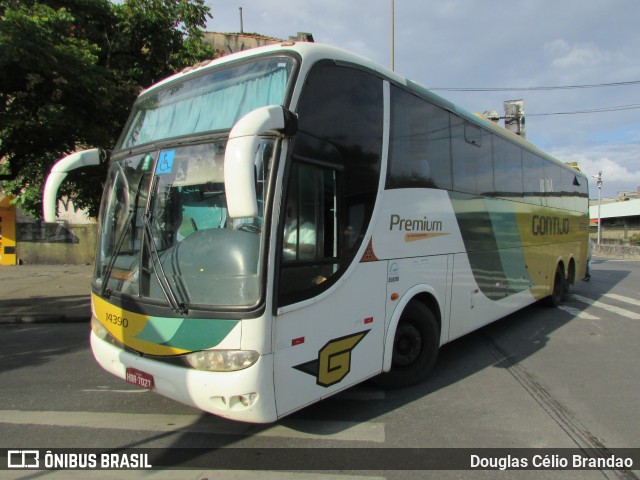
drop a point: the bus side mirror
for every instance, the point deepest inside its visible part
(59, 173)
(241, 151)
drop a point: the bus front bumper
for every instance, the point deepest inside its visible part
(245, 395)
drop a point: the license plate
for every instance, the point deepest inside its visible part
(139, 378)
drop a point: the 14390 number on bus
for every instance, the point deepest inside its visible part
(116, 320)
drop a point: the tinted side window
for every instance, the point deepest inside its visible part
(333, 178)
(507, 168)
(310, 254)
(310, 215)
(581, 186)
(484, 165)
(420, 145)
(471, 149)
(569, 190)
(533, 178)
(553, 184)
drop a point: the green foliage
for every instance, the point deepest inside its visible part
(71, 70)
(634, 239)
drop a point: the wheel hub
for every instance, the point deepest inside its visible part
(408, 345)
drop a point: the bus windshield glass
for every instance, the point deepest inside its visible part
(208, 102)
(166, 235)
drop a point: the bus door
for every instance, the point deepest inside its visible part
(330, 322)
(330, 305)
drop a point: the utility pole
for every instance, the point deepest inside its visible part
(599, 184)
(241, 23)
(393, 21)
(514, 117)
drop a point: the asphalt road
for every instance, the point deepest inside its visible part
(541, 378)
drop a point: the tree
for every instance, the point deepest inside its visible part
(71, 70)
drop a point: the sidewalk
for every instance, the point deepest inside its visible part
(45, 293)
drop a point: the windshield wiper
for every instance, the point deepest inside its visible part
(116, 251)
(120, 241)
(158, 269)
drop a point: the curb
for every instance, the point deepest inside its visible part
(42, 319)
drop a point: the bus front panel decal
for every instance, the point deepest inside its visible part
(334, 360)
(161, 335)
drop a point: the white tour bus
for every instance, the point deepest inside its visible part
(280, 224)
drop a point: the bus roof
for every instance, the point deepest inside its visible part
(311, 52)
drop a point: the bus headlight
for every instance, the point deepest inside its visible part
(102, 333)
(99, 329)
(222, 360)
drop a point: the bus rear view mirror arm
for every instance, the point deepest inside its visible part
(241, 151)
(59, 172)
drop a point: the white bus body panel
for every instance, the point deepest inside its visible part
(409, 277)
(471, 308)
(421, 226)
(416, 223)
(318, 351)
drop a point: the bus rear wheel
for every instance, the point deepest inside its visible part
(415, 348)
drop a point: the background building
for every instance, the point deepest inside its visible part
(227, 43)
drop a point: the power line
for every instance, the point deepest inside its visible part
(593, 110)
(529, 89)
(558, 87)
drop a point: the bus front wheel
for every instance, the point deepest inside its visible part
(415, 348)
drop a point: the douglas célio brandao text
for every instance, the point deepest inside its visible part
(550, 461)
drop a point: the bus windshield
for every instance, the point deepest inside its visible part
(166, 235)
(208, 102)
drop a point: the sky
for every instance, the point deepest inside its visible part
(484, 44)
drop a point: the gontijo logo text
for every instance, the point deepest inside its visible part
(548, 225)
(416, 228)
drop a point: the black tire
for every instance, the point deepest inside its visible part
(415, 348)
(559, 289)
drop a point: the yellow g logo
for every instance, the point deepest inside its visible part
(334, 360)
